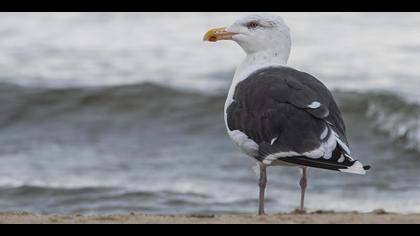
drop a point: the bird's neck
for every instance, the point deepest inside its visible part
(257, 60)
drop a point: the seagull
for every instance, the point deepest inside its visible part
(278, 115)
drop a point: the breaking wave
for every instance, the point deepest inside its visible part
(386, 112)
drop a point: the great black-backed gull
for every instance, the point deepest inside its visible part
(276, 114)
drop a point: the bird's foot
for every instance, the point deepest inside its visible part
(262, 214)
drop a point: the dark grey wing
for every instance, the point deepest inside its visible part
(301, 90)
(308, 89)
(292, 117)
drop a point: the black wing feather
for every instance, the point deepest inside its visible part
(273, 103)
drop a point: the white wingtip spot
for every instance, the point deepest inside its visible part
(342, 144)
(314, 105)
(325, 133)
(274, 140)
(356, 168)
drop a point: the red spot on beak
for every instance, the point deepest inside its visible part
(213, 39)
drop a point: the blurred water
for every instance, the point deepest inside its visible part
(351, 50)
(117, 112)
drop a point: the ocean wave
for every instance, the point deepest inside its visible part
(398, 119)
(386, 112)
(84, 185)
(139, 102)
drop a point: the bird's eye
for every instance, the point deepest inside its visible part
(252, 25)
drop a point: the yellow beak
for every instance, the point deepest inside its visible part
(215, 35)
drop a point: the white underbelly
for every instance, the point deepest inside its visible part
(250, 148)
(244, 143)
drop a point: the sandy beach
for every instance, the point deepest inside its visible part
(379, 217)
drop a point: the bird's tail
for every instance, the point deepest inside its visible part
(352, 167)
(340, 161)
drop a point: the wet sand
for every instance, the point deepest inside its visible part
(378, 217)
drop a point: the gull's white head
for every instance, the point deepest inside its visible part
(257, 33)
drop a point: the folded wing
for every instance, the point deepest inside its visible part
(293, 118)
